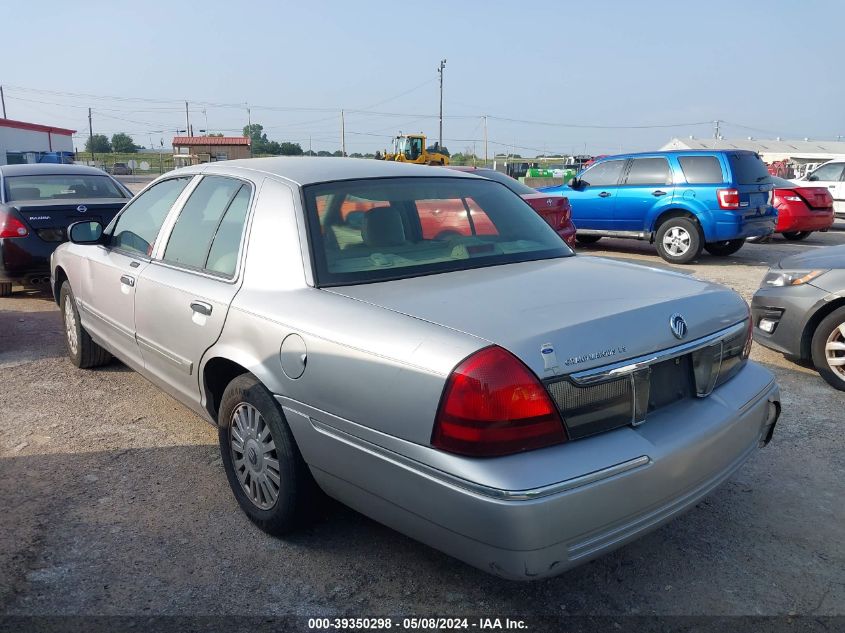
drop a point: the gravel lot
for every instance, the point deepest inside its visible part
(115, 502)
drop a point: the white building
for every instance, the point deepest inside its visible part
(801, 155)
(22, 142)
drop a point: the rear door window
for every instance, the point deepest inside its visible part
(748, 169)
(604, 174)
(702, 170)
(649, 171)
(201, 220)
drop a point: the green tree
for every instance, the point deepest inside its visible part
(323, 152)
(123, 143)
(290, 149)
(337, 153)
(255, 132)
(98, 143)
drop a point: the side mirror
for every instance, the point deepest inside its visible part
(574, 183)
(90, 232)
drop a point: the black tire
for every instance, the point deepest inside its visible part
(587, 239)
(5, 288)
(690, 236)
(797, 236)
(297, 494)
(723, 249)
(832, 326)
(81, 348)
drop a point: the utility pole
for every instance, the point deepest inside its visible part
(485, 140)
(716, 133)
(90, 134)
(187, 120)
(249, 127)
(342, 134)
(440, 70)
(3, 101)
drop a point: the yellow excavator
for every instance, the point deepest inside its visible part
(410, 148)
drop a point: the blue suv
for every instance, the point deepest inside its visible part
(683, 201)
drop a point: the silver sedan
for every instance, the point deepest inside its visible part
(420, 345)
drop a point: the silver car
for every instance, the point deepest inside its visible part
(480, 388)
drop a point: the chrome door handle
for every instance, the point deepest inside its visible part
(201, 307)
(126, 280)
(604, 194)
(658, 192)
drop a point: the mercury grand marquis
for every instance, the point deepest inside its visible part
(489, 393)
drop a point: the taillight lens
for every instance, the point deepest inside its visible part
(494, 405)
(728, 198)
(10, 226)
(715, 364)
(565, 214)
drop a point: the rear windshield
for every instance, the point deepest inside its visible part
(60, 187)
(748, 169)
(511, 183)
(390, 228)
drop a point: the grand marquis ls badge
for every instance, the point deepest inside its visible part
(678, 326)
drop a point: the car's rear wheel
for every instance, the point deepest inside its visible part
(81, 349)
(5, 288)
(725, 248)
(828, 348)
(796, 236)
(587, 239)
(679, 240)
(264, 467)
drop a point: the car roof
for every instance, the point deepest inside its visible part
(49, 168)
(685, 152)
(309, 170)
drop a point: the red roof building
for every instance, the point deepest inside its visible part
(193, 150)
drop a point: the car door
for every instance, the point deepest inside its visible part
(184, 294)
(107, 297)
(830, 175)
(595, 196)
(646, 184)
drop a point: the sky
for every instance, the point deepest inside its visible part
(590, 77)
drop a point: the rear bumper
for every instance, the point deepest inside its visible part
(24, 259)
(597, 494)
(732, 225)
(797, 217)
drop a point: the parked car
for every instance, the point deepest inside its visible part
(120, 169)
(832, 176)
(799, 311)
(555, 210)
(494, 396)
(802, 209)
(682, 201)
(37, 203)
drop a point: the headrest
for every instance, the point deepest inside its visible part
(383, 227)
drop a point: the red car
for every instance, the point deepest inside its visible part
(801, 209)
(553, 209)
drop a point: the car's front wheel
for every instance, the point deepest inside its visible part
(797, 236)
(81, 349)
(828, 348)
(679, 240)
(725, 248)
(263, 464)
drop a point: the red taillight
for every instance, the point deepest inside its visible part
(10, 226)
(728, 198)
(494, 405)
(566, 214)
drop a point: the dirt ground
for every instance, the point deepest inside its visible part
(114, 501)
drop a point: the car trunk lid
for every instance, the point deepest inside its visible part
(818, 198)
(50, 219)
(555, 210)
(589, 311)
